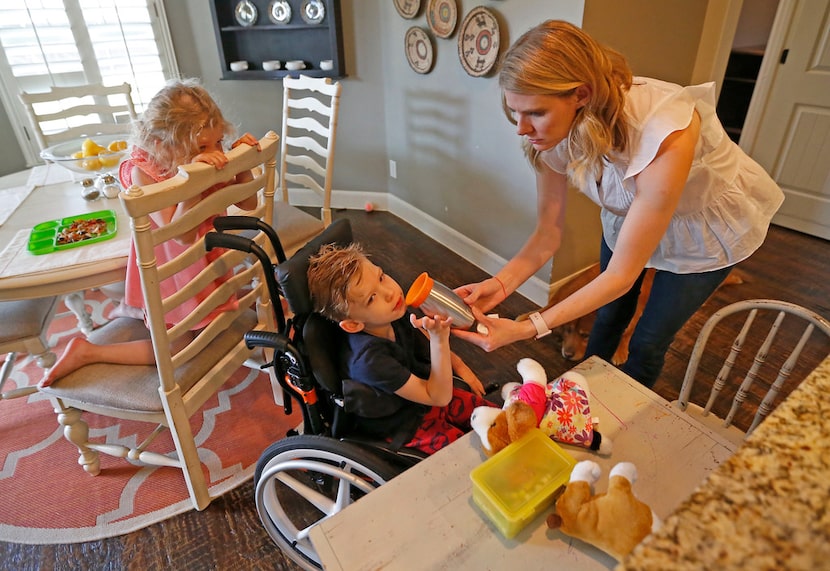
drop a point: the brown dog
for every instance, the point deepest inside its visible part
(574, 334)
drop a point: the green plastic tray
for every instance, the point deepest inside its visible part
(43, 238)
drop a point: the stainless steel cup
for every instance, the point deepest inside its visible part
(434, 298)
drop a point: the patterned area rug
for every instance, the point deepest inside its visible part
(47, 498)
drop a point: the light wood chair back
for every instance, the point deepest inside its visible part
(85, 110)
(23, 330)
(309, 134)
(170, 392)
(764, 319)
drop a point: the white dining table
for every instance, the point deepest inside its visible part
(50, 192)
(425, 518)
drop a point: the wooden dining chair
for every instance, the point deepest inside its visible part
(777, 331)
(168, 393)
(67, 113)
(309, 133)
(24, 331)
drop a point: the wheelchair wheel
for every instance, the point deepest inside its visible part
(304, 479)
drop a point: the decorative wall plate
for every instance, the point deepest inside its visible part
(478, 41)
(245, 13)
(442, 16)
(419, 51)
(279, 12)
(408, 8)
(313, 11)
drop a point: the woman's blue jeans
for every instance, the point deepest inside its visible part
(674, 299)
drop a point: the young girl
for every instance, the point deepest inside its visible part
(182, 124)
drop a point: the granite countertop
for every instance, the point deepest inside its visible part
(764, 508)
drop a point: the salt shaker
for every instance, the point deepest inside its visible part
(434, 298)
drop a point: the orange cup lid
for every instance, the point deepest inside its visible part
(419, 290)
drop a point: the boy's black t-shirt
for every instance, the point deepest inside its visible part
(377, 367)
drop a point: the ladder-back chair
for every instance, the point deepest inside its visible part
(309, 133)
(175, 388)
(67, 113)
(23, 330)
(777, 354)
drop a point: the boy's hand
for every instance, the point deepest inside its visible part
(469, 377)
(436, 328)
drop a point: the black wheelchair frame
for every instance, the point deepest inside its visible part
(318, 470)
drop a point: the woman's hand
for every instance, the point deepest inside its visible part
(484, 295)
(500, 332)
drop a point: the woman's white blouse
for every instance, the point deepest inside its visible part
(728, 202)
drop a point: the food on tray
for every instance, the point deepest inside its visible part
(81, 230)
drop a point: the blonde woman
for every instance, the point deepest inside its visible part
(676, 194)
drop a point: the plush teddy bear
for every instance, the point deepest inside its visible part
(560, 409)
(615, 521)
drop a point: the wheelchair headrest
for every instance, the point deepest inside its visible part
(292, 274)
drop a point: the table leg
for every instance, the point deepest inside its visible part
(75, 302)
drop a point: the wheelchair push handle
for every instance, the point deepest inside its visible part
(243, 244)
(224, 223)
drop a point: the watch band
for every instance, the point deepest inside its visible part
(538, 321)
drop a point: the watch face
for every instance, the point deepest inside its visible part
(418, 47)
(479, 42)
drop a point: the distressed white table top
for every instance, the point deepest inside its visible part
(426, 519)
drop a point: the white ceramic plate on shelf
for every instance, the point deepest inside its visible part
(245, 13)
(279, 12)
(313, 11)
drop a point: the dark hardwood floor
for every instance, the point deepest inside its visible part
(228, 536)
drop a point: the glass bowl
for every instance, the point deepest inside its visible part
(68, 154)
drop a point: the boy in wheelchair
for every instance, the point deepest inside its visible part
(405, 393)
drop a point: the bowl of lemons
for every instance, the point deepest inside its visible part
(91, 155)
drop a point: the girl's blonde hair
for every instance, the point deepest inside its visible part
(330, 273)
(554, 58)
(168, 128)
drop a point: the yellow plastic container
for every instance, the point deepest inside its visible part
(518, 483)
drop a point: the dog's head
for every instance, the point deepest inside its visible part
(574, 336)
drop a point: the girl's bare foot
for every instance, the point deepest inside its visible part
(79, 352)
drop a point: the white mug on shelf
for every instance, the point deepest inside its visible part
(240, 65)
(327, 65)
(271, 65)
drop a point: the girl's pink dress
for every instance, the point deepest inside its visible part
(133, 295)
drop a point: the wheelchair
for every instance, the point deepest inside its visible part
(319, 469)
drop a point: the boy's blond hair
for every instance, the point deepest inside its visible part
(330, 272)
